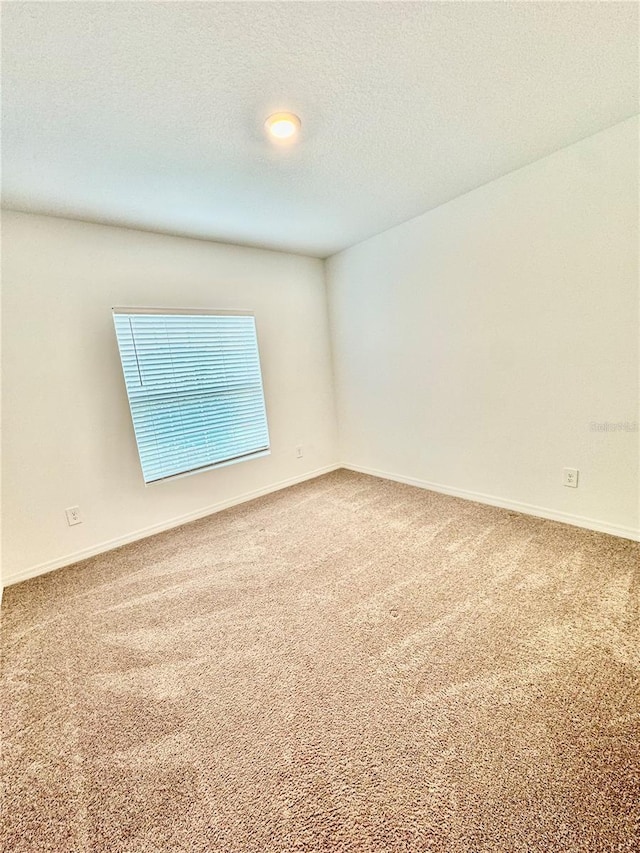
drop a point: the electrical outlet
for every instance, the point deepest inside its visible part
(73, 515)
(570, 477)
(299, 453)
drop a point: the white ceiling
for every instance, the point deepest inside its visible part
(150, 114)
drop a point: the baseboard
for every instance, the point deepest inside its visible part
(491, 500)
(143, 533)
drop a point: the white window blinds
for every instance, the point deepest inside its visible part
(194, 386)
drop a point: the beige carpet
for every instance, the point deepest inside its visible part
(347, 665)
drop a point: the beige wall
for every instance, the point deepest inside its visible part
(475, 344)
(67, 435)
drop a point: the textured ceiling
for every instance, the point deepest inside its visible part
(150, 114)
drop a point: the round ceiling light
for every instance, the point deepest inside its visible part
(283, 127)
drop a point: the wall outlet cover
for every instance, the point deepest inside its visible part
(73, 515)
(570, 477)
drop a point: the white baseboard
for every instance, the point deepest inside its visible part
(527, 509)
(143, 533)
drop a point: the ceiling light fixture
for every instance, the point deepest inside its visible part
(283, 127)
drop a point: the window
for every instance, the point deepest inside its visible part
(195, 388)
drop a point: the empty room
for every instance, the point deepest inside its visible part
(320, 450)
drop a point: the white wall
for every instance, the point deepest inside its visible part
(474, 345)
(67, 434)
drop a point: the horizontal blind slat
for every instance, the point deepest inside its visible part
(153, 434)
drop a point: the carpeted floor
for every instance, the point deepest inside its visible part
(348, 665)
